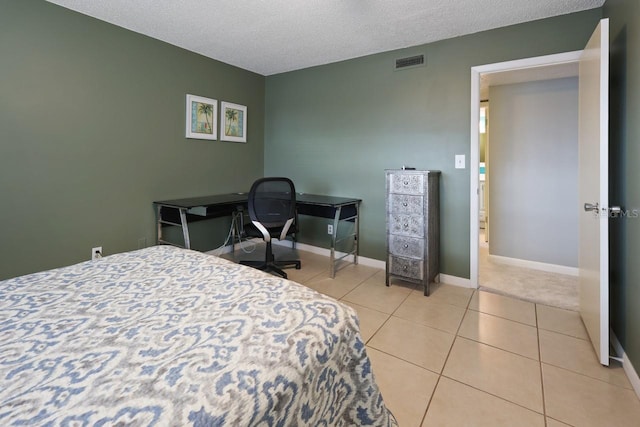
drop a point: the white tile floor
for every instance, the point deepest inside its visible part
(466, 358)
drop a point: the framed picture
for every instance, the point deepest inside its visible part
(234, 122)
(202, 117)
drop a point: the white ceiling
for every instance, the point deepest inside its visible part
(275, 36)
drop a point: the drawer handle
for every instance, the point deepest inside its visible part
(404, 267)
(406, 183)
(404, 204)
(406, 226)
(406, 246)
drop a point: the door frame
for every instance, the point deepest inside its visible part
(474, 203)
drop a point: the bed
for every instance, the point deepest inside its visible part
(165, 336)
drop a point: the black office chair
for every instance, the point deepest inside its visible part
(272, 211)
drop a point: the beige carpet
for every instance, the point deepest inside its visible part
(556, 290)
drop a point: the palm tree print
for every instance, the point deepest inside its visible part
(207, 111)
(232, 117)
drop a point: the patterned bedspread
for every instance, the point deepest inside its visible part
(170, 337)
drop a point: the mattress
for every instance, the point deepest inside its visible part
(170, 337)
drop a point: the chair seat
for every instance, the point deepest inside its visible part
(273, 266)
(251, 230)
(271, 204)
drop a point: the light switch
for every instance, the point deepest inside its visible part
(460, 161)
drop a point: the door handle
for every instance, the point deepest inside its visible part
(590, 207)
(614, 211)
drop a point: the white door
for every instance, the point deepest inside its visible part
(594, 191)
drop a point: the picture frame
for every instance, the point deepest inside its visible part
(201, 118)
(233, 119)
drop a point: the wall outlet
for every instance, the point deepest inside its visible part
(330, 229)
(96, 252)
(460, 161)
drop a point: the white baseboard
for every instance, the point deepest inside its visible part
(369, 262)
(551, 268)
(456, 281)
(229, 248)
(632, 374)
(219, 251)
(376, 263)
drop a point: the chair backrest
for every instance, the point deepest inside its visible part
(272, 202)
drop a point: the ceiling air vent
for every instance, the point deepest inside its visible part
(409, 62)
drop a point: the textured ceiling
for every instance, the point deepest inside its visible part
(274, 36)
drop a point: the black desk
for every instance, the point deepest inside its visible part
(180, 212)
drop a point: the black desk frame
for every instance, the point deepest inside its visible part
(180, 211)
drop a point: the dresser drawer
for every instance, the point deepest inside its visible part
(407, 225)
(406, 183)
(412, 222)
(405, 204)
(405, 267)
(406, 246)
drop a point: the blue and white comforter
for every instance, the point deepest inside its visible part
(170, 337)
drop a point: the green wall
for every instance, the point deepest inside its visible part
(92, 122)
(624, 138)
(335, 128)
(92, 131)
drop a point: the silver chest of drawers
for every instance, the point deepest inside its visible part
(413, 226)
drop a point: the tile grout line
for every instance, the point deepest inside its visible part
(564, 334)
(503, 318)
(544, 404)
(587, 376)
(467, 310)
(456, 336)
(385, 322)
(407, 361)
(543, 413)
(440, 375)
(501, 349)
(494, 395)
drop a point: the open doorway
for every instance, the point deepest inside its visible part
(504, 212)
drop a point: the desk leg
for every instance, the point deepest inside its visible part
(233, 232)
(336, 221)
(237, 224)
(185, 228)
(158, 224)
(357, 235)
(183, 224)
